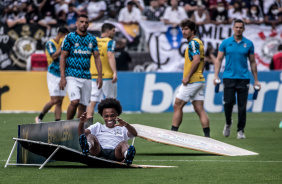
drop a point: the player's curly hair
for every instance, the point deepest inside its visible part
(109, 103)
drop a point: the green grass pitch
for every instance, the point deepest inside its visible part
(262, 132)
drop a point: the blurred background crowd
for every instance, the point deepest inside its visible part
(48, 13)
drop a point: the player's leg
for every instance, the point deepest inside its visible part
(89, 144)
(80, 110)
(121, 149)
(53, 87)
(95, 147)
(228, 101)
(109, 89)
(85, 91)
(242, 98)
(182, 97)
(73, 88)
(178, 113)
(58, 107)
(72, 109)
(45, 109)
(96, 96)
(126, 152)
(199, 109)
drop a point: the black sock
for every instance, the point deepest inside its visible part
(173, 128)
(57, 119)
(207, 131)
(41, 116)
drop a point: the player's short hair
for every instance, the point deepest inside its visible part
(63, 30)
(239, 21)
(82, 15)
(109, 103)
(280, 47)
(107, 26)
(190, 24)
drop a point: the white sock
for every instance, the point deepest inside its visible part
(90, 146)
(125, 153)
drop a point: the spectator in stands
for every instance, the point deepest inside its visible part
(47, 6)
(273, 17)
(152, 12)
(259, 3)
(5, 14)
(190, 5)
(81, 6)
(122, 57)
(276, 62)
(201, 15)
(162, 6)
(32, 15)
(61, 5)
(129, 17)
(72, 16)
(245, 4)
(174, 14)
(237, 12)
(212, 5)
(279, 5)
(114, 7)
(138, 3)
(254, 15)
(96, 10)
(220, 14)
(47, 21)
(17, 17)
(210, 58)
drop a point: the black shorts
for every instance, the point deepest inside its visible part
(108, 154)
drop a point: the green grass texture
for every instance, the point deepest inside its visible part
(263, 136)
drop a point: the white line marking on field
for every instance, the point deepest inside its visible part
(266, 161)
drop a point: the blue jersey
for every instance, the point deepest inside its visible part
(54, 65)
(236, 57)
(80, 49)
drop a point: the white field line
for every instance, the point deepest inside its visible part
(263, 161)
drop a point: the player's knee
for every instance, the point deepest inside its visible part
(74, 103)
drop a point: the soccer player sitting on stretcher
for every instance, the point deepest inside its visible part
(109, 140)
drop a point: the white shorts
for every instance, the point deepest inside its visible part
(108, 89)
(79, 89)
(54, 85)
(191, 92)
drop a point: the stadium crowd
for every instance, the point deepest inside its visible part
(49, 13)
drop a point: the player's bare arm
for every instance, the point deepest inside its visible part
(112, 62)
(99, 68)
(217, 65)
(253, 66)
(63, 82)
(130, 128)
(195, 63)
(82, 120)
(56, 54)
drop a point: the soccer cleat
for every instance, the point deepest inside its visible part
(226, 130)
(84, 144)
(37, 120)
(130, 155)
(241, 135)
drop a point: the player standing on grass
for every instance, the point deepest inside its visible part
(236, 77)
(53, 52)
(77, 48)
(193, 82)
(109, 140)
(106, 46)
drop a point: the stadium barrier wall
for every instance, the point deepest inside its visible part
(138, 92)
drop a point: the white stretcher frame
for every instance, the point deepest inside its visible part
(41, 165)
